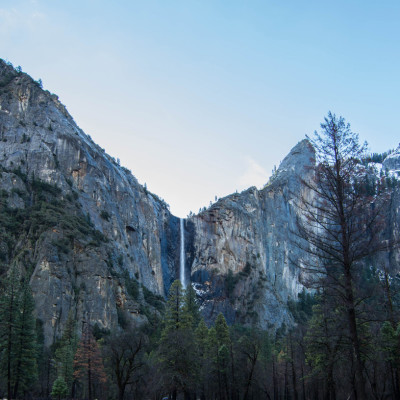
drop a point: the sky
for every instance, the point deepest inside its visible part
(202, 98)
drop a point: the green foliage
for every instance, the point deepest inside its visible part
(25, 356)
(99, 332)
(302, 308)
(173, 312)
(191, 307)
(65, 352)
(376, 157)
(246, 270)
(222, 330)
(153, 299)
(60, 389)
(18, 364)
(63, 245)
(132, 286)
(390, 340)
(44, 210)
(219, 344)
(177, 355)
(40, 188)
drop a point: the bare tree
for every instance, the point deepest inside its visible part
(339, 225)
(125, 357)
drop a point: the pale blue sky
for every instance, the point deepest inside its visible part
(202, 98)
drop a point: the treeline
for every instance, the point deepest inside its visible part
(177, 356)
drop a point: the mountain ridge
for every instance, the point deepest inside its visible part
(98, 244)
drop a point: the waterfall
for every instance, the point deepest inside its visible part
(182, 257)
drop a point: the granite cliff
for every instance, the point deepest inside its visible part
(94, 241)
(97, 244)
(241, 251)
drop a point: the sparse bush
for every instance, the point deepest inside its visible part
(105, 215)
(154, 300)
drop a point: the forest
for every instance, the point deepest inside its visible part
(344, 342)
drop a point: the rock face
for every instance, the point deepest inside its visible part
(98, 245)
(241, 256)
(131, 235)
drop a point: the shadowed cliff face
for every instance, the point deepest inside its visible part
(132, 234)
(96, 243)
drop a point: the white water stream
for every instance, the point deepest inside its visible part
(182, 255)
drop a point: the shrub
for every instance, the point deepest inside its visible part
(154, 300)
(105, 215)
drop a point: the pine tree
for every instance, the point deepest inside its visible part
(17, 334)
(9, 308)
(191, 307)
(222, 330)
(324, 343)
(219, 352)
(88, 362)
(64, 354)
(201, 342)
(176, 345)
(25, 354)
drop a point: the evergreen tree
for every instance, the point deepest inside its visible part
(324, 344)
(9, 309)
(25, 354)
(389, 346)
(201, 342)
(65, 352)
(176, 345)
(222, 330)
(60, 388)
(17, 335)
(219, 345)
(191, 307)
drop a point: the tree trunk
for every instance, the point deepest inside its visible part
(234, 388)
(121, 392)
(351, 314)
(90, 381)
(303, 383)
(274, 380)
(294, 380)
(9, 345)
(250, 378)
